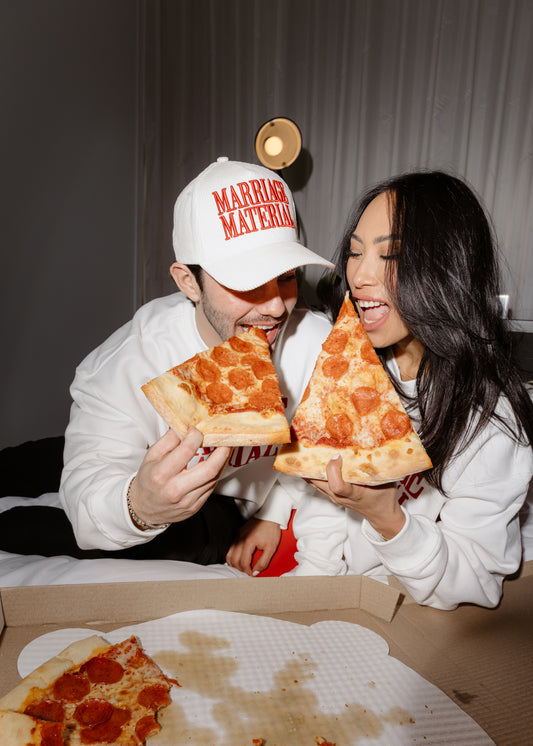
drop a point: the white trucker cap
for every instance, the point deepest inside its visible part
(238, 222)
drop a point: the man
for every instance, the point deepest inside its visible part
(130, 486)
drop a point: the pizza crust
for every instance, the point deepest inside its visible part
(394, 461)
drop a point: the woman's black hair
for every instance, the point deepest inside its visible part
(446, 287)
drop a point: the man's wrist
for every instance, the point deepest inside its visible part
(137, 520)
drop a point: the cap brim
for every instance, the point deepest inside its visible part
(248, 271)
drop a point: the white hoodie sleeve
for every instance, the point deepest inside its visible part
(286, 494)
(464, 556)
(103, 450)
(321, 530)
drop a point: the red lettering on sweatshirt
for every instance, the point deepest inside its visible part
(203, 453)
(243, 455)
(411, 487)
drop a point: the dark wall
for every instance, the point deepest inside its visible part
(68, 129)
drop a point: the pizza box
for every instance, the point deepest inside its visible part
(480, 659)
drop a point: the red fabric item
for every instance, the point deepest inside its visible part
(283, 559)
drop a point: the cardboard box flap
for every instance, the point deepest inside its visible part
(94, 603)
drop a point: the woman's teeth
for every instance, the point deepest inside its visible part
(372, 312)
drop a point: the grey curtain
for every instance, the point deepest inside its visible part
(376, 87)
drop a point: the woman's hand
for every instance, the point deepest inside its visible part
(379, 505)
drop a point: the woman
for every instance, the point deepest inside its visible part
(419, 260)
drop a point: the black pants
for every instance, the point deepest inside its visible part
(34, 468)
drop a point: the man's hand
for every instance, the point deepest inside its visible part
(164, 490)
(379, 505)
(254, 535)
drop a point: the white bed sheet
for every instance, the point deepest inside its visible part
(18, 569)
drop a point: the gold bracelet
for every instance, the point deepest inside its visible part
(138, 522)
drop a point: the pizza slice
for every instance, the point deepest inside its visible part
(91, 693)
(351, 408)
(229, 392)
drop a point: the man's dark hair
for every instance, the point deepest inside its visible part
(197, 271)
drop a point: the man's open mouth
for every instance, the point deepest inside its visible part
(271, 330)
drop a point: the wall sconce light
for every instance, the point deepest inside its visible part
(278, 143)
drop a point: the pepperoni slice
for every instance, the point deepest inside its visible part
(336, 342)
(108, 730)
(271, 385)
(120, 715)
(46, 709)
(208, 370)
(395, 424)
(335, 367)
(101, 733)
(52, 734)
(260, 400)
(154, 696)
(71, 687)
(262, 369)
(224, 357)
(93, 712)
(101, 670)
(219, 393)
(240, 345)
(240, 378)
(368, 353)
(251, 359)
(145, 726)
(339, 426)
(365, 399)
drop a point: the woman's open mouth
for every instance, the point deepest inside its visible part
(372, 313)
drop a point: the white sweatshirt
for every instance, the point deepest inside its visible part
(452, 549)
(112, 423)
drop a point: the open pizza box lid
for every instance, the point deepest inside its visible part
(479, 659)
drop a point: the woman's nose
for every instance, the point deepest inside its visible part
(364, 272)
